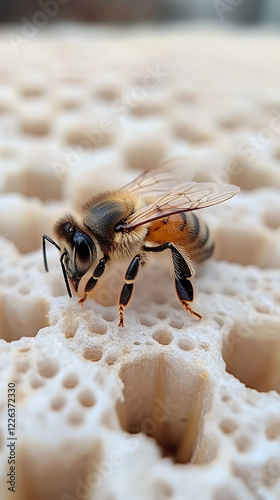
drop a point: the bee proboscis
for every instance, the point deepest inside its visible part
(153, 213)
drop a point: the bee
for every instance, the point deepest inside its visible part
(153, 213)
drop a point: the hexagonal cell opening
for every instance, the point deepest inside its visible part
(33, 182)
(166, 399)
(21, 318)
(252, 352)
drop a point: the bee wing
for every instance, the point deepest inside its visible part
(165, 177)
(184, 198)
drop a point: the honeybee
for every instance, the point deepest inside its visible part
(153, 213)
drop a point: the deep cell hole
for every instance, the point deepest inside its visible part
(166, 400)
(252, 352)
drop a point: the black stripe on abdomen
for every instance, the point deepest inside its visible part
(184, 223)
(202, 245)
(194, 228)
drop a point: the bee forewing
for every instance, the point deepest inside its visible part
(162, 178)
(183, 198)
(193, 195)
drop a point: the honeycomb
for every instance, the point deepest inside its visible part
(166, 407)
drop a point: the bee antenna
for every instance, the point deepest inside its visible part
(64, 274)
(46, 237)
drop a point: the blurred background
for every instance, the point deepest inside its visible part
(126, 11)
(94, 91)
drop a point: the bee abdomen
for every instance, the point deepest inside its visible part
(200, 242)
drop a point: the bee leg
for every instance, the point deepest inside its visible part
(183, 274)
(127, 289)
(184, 291)
(92, 282)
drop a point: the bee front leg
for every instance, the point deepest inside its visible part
(92, 282)
(127, 289)
(183, 285)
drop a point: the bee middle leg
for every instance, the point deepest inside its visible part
(127, 289)
(183, 285)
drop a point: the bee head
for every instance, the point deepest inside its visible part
(78, 249)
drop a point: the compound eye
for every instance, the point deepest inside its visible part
(83, 255)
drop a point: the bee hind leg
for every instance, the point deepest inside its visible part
(127, 289)
(183, 284)
(184, 291)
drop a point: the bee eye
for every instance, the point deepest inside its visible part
(84, 253)
(82, 250)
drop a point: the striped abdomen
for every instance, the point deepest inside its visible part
(184, 229)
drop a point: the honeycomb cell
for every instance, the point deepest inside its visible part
(163, 337)
(86, 398)
(273, 430)
(58, 402)
(251, 352)
(243, 443)
(186, 345)
(228, 425)
(93, 353)
(99, 327)
(157, 406)
(48, 368)
(70, 380)
(76, 418)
